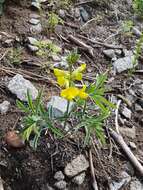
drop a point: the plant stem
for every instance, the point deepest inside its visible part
(67, 113)
(84, 108)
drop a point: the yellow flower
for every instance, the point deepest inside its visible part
(62, 77)
(70, 93)
(77, 73)
(82, 94)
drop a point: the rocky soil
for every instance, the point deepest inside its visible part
(95, 29)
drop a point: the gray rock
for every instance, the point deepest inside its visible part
(4, 106)
(127, 113)
(59, 176)
(19, 86)
(109, 53)
(8, 42)
(62, 13)
(128, 132)
(36, 29)
(132, 145)
(136, 185)
(36, 5)
(138, 108)
(123, 64)
(136, 31)
(34, 21)
(58, 106)
(118, 185)
(118, 52)
(76, 166)
(84, 14)
(32, 48)
(56, 58)
(34, 16)
(79, 179)
(60, 184)
(127, 52)
(32, 41)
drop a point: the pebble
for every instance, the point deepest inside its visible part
(59, 176)
(59, 106)
(62, 13)
(19, 86)
(127, 113)
(36, 29)
(36, 4)
(32, 48)
(4, 106)
(76, 166)
(128, 132)
(84, 14)
(123, 64)
(36, 16)
(136, 185)
(138, 108)
(118, 185)
(132, 145)
(79, 179)
(136, 31)
(32, 40)
(60, 184)
(34, 21)
(110, 53)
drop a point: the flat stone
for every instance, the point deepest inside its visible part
(58, 106)
(118, 185)
(60, 184)
(132, 145)
(32, 48)
(138, 108)
(76, 166)
(19, 86)
(36, 29)
(109, 53)
(123, 64)
(32, 40)
(136, 31)
(4, 106)
(79, 179)
(136, 185)
(36, 5)
(127, 113)
(34, 16)
(128, 132)
(34, 21)
(59, 176)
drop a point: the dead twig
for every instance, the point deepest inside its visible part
(94, 183)
(119, 139)
(116, 116)
(77, 41)
(28, 75)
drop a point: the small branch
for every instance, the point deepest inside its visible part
(94, 183)
(116, 116)
(88, 48)
(119, 139)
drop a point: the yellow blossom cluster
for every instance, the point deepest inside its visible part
(66, 78)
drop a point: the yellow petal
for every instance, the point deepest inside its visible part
(58, 72)
(82, 94)
(70, 93)
(62, 81)
(77, 73)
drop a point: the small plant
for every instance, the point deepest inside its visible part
(127, 26)
(37, 120)
(14, 56)
(47, 49)
(1, 6)
(53, 21)
(138, 7)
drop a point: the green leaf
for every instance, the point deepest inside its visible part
(22, 107)
(30, 102)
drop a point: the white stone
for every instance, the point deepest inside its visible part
(127, 113)
(136, 185)
(32, 41)
(123, 64)
(32, 48)
(133, 145)
(4, 106)
(76, 166)
(79, 179)
(60, 184)
(58, 106)
(19, 86)
(34, 21)
(109, 53)
(59, 176)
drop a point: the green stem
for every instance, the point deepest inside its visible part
(84, 108)
(67, 113)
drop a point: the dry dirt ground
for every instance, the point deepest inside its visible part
(26, 169)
